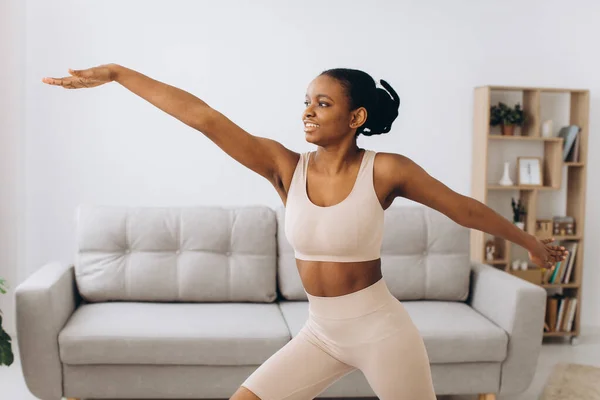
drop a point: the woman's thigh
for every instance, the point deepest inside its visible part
(300, 370)
(397, 366)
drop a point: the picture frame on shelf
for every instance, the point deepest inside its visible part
(529, 171)
(490, 250)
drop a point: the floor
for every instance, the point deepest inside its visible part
(586, 350)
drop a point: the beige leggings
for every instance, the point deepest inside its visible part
(368, 330)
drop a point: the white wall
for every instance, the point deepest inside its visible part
(253, 61)
(12, 130)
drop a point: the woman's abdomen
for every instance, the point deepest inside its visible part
(328, 279)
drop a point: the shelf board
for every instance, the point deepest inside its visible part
(526, 138)
(533, 89)
(555, 334)
(520, 187)
(567, 237)
(497, 262)
(560, 285)
(561, 237)
(574, 164)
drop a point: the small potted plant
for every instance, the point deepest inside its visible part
(519, 213)
(507, 117)
(6, 354)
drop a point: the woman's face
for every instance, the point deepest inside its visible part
(327, 117)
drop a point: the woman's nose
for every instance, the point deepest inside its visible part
(309, 112)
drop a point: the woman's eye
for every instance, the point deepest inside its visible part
(320, 104)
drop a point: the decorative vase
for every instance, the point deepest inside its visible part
(508, 130)
(506, 181)
(547, 128)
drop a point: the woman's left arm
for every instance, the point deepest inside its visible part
(414, 183)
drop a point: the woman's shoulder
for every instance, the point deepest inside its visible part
(389, 160)
(391, 166)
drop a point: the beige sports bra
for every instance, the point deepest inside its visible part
(348, 231)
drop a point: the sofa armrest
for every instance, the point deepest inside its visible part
(43, 304)
(518, 307)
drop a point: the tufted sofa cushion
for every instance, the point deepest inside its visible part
(187, 254)
(424, 256)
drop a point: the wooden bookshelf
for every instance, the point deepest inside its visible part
(558, 334)
(519, 187)
(488, 144)
(560, 285)
(525, 138)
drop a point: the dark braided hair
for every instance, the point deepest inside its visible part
(382, 107)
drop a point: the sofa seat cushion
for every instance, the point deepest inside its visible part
(453, 332)
(173, 333)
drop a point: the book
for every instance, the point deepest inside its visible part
(570, 262)
(561, 269)
(565, 321)
(568, 133)
(564, 264)
(547, 274)
(551, 311)
(571, 314)
(561, 313)
(556, 271)
(573, 155)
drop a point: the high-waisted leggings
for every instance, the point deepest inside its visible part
(368, 330)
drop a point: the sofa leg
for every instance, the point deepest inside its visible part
(487, 396)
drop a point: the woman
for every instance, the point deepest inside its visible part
(335, 199)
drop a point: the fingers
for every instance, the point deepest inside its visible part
(87, 73)
(79, 79)
(558, 256)
(51, 81)
(57, 81)
(67, 83)
(64, 82)
(561, 252)
(558, 253)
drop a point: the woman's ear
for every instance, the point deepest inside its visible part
(358, 117)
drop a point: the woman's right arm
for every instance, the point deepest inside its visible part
(266, 157)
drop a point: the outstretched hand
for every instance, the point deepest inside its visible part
(545, 256)
(87, 78)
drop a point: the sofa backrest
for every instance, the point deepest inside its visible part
(424, 256)
(241, 254)
(194, 254)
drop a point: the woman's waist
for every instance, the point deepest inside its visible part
(331, 279)
(356, 303)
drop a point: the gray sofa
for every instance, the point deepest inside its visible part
(186, 302)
